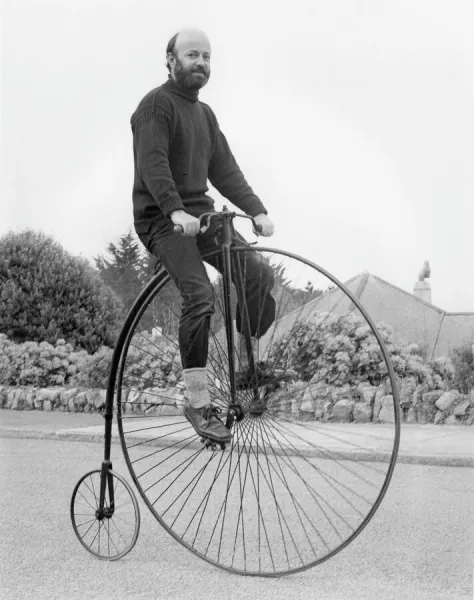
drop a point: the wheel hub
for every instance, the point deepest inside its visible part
(234, 414)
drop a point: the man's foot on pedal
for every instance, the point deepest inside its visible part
(262, 374)
(206, 423)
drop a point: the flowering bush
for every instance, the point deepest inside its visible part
(342, 350)
(38, 364)
(91, 370)
(152, 361)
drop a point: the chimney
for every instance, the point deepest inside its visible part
(422, 287)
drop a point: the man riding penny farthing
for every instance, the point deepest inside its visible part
(294, 486)
(178, 146)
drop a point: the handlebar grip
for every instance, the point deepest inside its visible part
(179, 229)
(258, 228)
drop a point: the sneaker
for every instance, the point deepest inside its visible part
(263, 374)
(207, 424)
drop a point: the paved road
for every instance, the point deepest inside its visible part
(418, 545)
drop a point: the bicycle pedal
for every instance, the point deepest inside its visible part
(212, 445)
(208, 443)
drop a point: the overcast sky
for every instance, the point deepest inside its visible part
(352, 120)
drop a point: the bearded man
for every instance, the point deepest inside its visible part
(178, 146)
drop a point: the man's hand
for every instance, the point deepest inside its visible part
(266, 224)
(189, 223)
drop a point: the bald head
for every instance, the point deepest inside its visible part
(188, 56)
(192, 37)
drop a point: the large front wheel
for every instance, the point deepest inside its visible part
(304, 474)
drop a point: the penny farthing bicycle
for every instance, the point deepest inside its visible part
(302, 475)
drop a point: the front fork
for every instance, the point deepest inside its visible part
(235, 410)
(106, 481)
(227, 281)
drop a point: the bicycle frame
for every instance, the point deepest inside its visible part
(227, 242)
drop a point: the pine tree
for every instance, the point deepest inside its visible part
(287, 296)
(127, 270)
(123, 269)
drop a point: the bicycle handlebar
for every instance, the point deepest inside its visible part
(208, 216)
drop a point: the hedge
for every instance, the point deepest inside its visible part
(152, 361)
(342, 350)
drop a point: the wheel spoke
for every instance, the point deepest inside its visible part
(177, 443)
(82, 496)
(296, 505)
(189, 460)
(337, 457)
(321, 472)
(147, 441)
(319, 500)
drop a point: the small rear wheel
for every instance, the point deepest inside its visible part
(110, 533)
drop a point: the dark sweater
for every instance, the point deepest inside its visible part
(177, 147)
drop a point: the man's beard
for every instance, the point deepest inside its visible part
(185, 78)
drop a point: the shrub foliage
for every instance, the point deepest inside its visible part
(47, 294)
(463, 361)
(38, 364)
(342, 350)
(151, 362)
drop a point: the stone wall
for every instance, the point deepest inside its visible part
(374, 404)
(153, 401)
(364, 404)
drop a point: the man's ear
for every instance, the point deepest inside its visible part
(171, 59)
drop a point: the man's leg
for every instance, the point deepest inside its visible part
(181, 259)
(258, 280)
(258, 311)
(259, 308)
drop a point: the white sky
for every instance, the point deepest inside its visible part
(352, 120)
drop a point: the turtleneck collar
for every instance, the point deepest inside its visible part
(191, 95)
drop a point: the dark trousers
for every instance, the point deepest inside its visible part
(181, 256)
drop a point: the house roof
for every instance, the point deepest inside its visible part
(411, 318)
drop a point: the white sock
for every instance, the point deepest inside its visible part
(195, 381)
